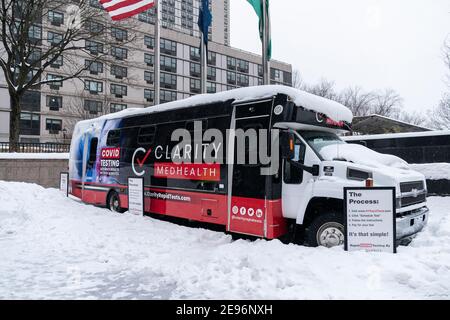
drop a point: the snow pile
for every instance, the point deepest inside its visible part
(362, 155)
(55, 247)
(433, 171)
(17, 155)
(332, 109)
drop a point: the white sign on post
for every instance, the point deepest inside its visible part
(136, 196)
(370, 219)
(64, 183)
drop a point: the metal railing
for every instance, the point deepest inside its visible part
(25, 147)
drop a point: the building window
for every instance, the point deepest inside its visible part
(118, 90)
(147, 16)
(231, 78)
(211, 58)
(195, 54)
(94, 26)
(211, 73)
(195, 86)
(168, 64)
(93, 106)
(149, 59)
(195, 70)
(168, 81)
(119, 34)
(115, 107)
(54, 126)
(57, 81)
(167, 96)
(35, 34)
(30, 124)
(54, 38)
(54, 103)
(94, 47)
(57, 63)
(242, 66)
(93, 87)
(275, 74)
(119, 53)
(149, 95)
(31, 101)
(94, 67)
(231, 63)
(149, 42)
(55, 18)
(35, 57)
(287, 78)
(118, 71)
(168, 47)
(149, 77)
(242, 80)
(211, 87)
(95, 4)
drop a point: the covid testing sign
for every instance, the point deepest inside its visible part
(370, 219)
(136, 196)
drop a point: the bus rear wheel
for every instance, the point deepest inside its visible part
(326, 230)
(113, 202)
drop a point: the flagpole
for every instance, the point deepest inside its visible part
(157, 50)
(204, 65)
(265, 61)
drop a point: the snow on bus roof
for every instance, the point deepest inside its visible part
(398, 135)
(332, 109)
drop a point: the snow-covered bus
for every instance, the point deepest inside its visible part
(299, 198)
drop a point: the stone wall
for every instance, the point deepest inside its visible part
(44, 172)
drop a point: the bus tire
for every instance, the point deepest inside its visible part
(326, 230)
(113, 202)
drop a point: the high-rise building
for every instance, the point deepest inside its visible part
(124, 78)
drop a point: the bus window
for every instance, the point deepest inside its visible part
(147, 135)
(292, 174)
(113, 139)
(93, 152)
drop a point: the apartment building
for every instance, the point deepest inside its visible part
(124, 77)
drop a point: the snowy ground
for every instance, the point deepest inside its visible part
(55, 247)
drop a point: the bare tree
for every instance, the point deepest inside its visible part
(387, 103)
(357, 100)
(25, 58)
(323, 88)
(297, 81)
(440, 116)
(414, 118)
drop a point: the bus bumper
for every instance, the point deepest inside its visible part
(410, 224)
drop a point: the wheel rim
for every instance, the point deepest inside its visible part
(331, 234)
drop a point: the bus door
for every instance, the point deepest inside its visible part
(89, 166)
(247, 194)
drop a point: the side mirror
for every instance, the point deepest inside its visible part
(287, 145)
(315, 170)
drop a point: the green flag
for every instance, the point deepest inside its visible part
(258, 6)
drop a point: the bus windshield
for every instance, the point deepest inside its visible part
(319, 139)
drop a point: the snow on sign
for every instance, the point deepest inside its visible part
(64, 183)
(136, 196)
(370, 219)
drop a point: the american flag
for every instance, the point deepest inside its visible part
(122, 9)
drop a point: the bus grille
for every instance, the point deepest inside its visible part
(410, 186)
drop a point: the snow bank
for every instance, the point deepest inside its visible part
(433, 171)
(362, 155)
(17, 155)
(55, 247)
(332, 109)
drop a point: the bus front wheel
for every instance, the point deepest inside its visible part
(113, 202)
(326, 230)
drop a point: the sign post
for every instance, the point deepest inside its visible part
(136, 195)
(64, 182)
(370, 219)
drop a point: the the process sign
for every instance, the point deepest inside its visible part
(370, 219)
(136, 196)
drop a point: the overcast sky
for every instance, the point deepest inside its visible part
(372, 43)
